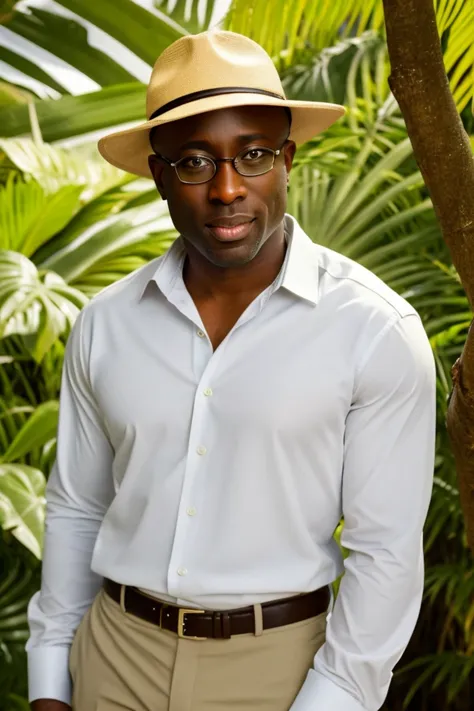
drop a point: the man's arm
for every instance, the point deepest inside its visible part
(386, 489)
(78, 494)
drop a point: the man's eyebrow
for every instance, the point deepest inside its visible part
(206, 146)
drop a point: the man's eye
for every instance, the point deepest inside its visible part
(195, 163)
(253, 155)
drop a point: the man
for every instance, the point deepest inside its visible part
(221, 410)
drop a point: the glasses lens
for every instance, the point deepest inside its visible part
(195, 169)
(255, 161)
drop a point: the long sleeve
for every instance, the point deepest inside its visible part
(386, 489)
(78, 494)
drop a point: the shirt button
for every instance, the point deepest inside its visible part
(191, 511)
(182, 571)
(201, 450)
(208, 392)
(201, 334)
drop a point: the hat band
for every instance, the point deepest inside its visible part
(205, 93)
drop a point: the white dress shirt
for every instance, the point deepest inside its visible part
(217, 479)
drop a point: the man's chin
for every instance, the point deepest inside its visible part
(233, 255)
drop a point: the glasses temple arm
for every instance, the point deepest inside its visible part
(166, 160)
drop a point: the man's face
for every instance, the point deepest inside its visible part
(257, 202)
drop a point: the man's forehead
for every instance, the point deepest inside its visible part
(240, 123)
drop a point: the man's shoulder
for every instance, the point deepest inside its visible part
(338, 271)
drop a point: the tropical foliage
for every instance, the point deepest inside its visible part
(70, 225)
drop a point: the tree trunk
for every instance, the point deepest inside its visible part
(443, 152)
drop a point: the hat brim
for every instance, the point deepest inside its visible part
(129, 149)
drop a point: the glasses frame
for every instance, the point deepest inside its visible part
(215, 161)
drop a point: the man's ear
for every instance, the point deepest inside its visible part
(289, 153)
(156, 168)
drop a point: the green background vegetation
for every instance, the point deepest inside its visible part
(71, 224)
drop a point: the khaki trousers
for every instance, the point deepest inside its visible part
(119, 662)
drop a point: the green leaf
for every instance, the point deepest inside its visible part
(75, 115)
(362, 189)
(106, 238)
(55, 215)
(20, 204)
(6, 7)
(135, 27)
(30, 69)
(39, 429)
(29, 217)
(53, 167)
(187, 15)
(22, 504)
(41, 306)
(15, 592)
(110, 202)
(306, 27)
(284, 27)
(357, 217)
(119, 263)
(324, 75)
(12, 587)
(455, 22)
(18, 703)
(67, 39)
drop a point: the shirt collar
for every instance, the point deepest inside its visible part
(299, 273)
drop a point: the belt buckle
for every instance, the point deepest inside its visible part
(181, 613)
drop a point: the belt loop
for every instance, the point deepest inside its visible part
(122, 598)
(217, 625)
(258, 616)
(226, 625)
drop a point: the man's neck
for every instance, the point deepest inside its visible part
(206, 280)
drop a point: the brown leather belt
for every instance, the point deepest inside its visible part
(202, 624)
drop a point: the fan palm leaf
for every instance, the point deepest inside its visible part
(315, 25)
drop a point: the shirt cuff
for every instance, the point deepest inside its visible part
(48, 674)
(318, 692)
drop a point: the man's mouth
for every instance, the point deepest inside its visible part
(231, 229)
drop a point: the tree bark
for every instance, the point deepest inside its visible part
(443, 152)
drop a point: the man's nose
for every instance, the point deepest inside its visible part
(227, 185)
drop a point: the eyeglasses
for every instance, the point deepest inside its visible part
(196, 169)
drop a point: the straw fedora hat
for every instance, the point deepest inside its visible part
(205, 72)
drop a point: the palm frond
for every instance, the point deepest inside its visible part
(194, 16)
(354, 67)
(76, 115)
(316, 24)
(455, 22)
(144, 33)
(53, 167)
(29, 217)
(450, 668)
(114, 237)
(307, 28)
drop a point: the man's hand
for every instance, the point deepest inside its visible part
(49, 705)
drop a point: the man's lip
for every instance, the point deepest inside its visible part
(233, 233)
(230, 221)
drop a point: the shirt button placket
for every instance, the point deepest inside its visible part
(194, 468)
